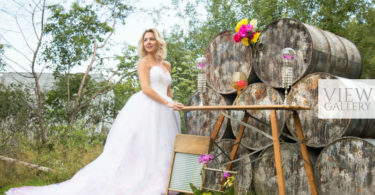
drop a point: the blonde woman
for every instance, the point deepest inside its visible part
(138, 149)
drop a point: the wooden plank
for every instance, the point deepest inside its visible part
(26, 164)
(216, 130)
(305, 156)
(277, 152)
(247, 107)
(170, 173)
(191, 144)
(236, 144)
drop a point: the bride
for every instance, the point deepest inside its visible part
(138, 149)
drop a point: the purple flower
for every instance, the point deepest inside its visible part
(200, 62)
(201, 158)
(200, 65)
(206, 158)
(288, 57)
(226, 175)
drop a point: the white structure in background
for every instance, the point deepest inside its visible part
(47, 80)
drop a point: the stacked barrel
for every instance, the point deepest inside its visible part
(342, 164)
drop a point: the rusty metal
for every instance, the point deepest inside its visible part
(317, 51)
(346, 167)
(224, 57)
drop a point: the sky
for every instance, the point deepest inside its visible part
(13, 16)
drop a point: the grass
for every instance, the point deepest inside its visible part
(65, 157)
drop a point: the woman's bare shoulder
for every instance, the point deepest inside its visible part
(143, 63)
(167, 65)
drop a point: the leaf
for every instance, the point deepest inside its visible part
(195, 190)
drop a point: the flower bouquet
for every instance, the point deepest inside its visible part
(246, 33)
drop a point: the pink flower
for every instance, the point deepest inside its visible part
(201, 158)
(245, 29)
(226, 175)
(205, 158)
(237, 38)
(289, 57)
(200, 65)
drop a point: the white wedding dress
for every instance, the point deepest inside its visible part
(136, 156)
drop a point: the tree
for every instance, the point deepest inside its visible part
(79, 34)
(129, 85)
(2, 63)
(70, 38)
(15, 111)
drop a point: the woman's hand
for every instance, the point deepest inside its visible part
(175, 105)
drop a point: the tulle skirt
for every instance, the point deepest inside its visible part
(135, 159)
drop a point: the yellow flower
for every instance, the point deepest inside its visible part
(240, 23)
(229, 181)
(207, 193)
(254, 23)
(255, 37)
(245, 41)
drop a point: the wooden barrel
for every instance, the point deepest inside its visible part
(224, 57)
(258, 94)
(347, 167)
(244, 167)
(202, 122)
(265, 177)
(321, 132)
(317, 51)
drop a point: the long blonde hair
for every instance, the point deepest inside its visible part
(161, 52)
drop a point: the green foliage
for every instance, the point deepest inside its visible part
(129, 85)
(123, 91)
(360, 31)
(74, 32)
(64, 155)
(182, 59)
(58, 101)
(227, 191)
(15, 111)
